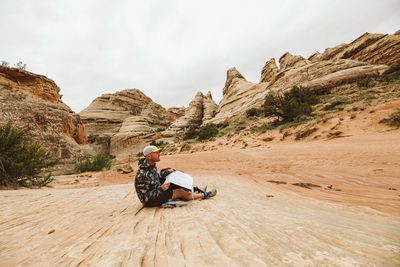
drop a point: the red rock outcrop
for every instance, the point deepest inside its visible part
(32, 103)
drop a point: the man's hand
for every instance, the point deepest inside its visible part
(165, 186)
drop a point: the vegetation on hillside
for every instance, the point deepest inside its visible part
(393, 119)
(203, 133)
(20, 65)
(291, 105)
(20, 160)
(98, 163)
(393, 73)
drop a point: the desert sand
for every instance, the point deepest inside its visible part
(352, 219)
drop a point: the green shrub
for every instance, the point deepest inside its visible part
(263, 128)
(365, 83)
(393, 73)
(98, 163)
(192, 133)
(393, 120)
(335, 103)
(222, 125)
(292, 104)
(207, 132)
(21, 162)
(203, 133)
(158, 144)
(253, 112)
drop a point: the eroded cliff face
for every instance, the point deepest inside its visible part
(367, 56)
(122, 123)
(33, 104)
(373, 48)
(200, 110)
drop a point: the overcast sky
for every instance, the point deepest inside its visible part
(172, 49)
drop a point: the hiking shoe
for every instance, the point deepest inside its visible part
(198, 190)
(209, 194)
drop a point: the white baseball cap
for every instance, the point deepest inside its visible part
(150, 149)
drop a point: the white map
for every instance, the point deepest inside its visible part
(181, 179)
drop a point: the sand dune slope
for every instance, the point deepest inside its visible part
(241, 226)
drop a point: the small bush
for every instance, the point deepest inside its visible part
(192, 133)
(20, 65)
(393, 120)
(365, 83)
(98, 163)
(222, 125)
(335, 103)
(203, 133)
(207, 132)
(263, 128)
(393, 73)
(291, 105)
(239, 128)
(253, 112)
(305, 132)
(21, 162)
(158, 144)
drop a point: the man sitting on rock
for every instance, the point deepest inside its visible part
(148, 186)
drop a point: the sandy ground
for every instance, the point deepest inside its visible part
(353, 219)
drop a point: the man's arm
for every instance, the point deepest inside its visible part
(164, 173)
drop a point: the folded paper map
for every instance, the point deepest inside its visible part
(181, 179)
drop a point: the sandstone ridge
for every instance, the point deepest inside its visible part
(33, 104)
(366, 57)
(201, 109)
(125, 121)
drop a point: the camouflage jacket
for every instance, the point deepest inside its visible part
(148, 181)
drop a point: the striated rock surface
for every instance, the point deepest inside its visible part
(269, 71)
(238, 95)
(122, 122)
(369, 47)
(232, 77)
(209, 107)
(176, 112)
(289, 61)
(33, 104)
(333, 73)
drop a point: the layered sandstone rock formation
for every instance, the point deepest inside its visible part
(124, 121)
(369, 47)
(367, 56)
(33, 104)
(238, 95)
(201, 109)
(176, 112)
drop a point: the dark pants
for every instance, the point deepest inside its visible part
(161, 198)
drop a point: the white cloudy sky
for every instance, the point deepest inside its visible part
(172, 49)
